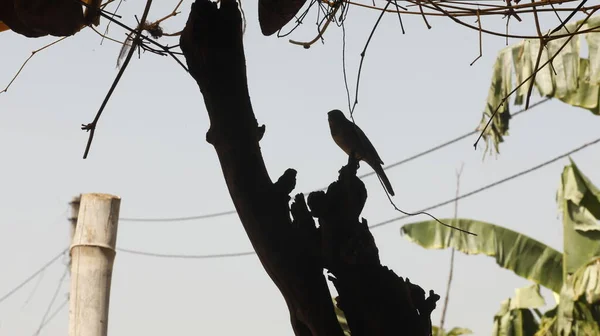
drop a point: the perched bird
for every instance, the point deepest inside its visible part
(350, 138)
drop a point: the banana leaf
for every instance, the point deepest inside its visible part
(573, 316)
(519, 253)
(456, 331)
(341, 318)
(579, 201)
(571, 78)
(515, 317)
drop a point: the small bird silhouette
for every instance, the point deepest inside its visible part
(350, 138)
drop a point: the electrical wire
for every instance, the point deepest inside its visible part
(46, 314)
(177, 219)
(186, 256)
(395, 164)
(34, 290)
(391, 220)
(447, 143)
(53, 314)
(491, 185)
(32, 276)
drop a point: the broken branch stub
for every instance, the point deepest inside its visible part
(374, 299)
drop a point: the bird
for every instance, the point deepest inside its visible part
(351, 139)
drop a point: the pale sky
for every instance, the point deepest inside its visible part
(417, 90)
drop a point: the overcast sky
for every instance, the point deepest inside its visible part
(417, 91)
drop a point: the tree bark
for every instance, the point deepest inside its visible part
(294, 252)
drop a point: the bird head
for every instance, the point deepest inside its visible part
(336, 115)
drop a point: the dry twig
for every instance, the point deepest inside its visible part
(91, 127)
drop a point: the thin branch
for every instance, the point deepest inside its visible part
(173, 13)
(109, 21)
(400, 18)
(577, 9)
(91, 127)
(511, 11)
(451, 271)
(102, 6)
(422, 212)
(558, 17)
(329, 17)
(480, 40)
(507, 24)
(362, 57)
(423, 14)
(452, 10)
(467, 11)
(496, 33)
(106, 36)
(344, 66)
(299, 19)
(453, 15)
(145, 38)
(539, 55)
(27, 60)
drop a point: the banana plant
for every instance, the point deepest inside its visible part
(516, 314)
(573, 276)
(567, 76)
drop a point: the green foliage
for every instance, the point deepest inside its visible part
(515, 316)
(519, 253)
(579, 202)
(452, 332)
(571, 318)
(570, 78)
(341, 318)
(574, 276)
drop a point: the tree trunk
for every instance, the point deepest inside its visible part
(294, 252)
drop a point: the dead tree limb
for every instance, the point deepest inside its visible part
(294, 252)
(374, 299)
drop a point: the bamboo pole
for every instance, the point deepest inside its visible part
(92, 258)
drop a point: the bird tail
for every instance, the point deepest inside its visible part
(386, 182)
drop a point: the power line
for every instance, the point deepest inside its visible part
(178, 219)
(187, 256)
(46, 265)
(491, 185)
(34, 290)
(449, 142)
(247, 253)
(53, 314)
(60, 282)
(395, 164)
(391, 220)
